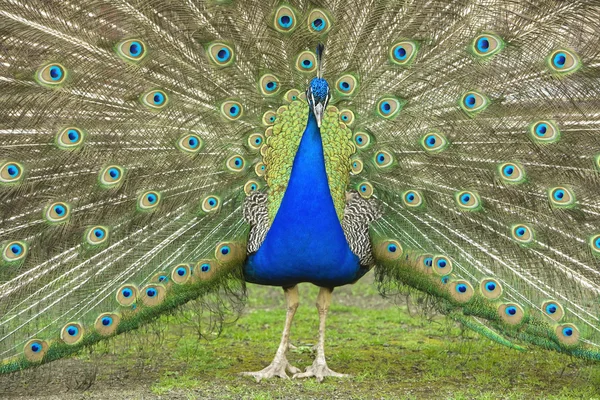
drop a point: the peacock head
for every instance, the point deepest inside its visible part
(318, 93)
(318, 96)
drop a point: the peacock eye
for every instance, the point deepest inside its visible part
(511, 173)
(412, 199)
(346, 85)
(148, 200)
(155, 99)
(10, 173)
(468, 200)
(486, 45)
(563, 61)
(383, 159)
(365, 190)
(69, 138)
(251, 186)
(362, 140)
(51, 75)
(14, 251)
(441, 265)
(389, 107)
(595, 244)
(211, 203)
(357, 166)
(306, 61)
(57, 212)
(347, 117)
(236, 163)
(404, 52)
(232, 110)
(269, 118)
(490, 289)
(561, 197)
(522, 233)
(434, 142)
(111, 176)
(318, 22)
(544, 132)
(220, 54)
(181, 274)
(463, 291)
(131, 50)
(96, 235)
(285, 19)
(473, 102)
(269, 84)
(190, 143)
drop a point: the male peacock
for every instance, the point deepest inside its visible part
(154, 152)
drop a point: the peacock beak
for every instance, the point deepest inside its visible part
(319, 110)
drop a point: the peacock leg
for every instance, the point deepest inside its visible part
(280, 362)
(319, 368)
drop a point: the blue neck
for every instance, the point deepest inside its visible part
(306, 242)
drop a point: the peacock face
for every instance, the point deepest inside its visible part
(318, 96)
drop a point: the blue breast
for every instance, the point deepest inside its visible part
(306, 242)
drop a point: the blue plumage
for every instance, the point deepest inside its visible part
(306, 242)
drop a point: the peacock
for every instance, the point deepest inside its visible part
(156, 152)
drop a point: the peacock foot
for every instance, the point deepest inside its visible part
(276, 368)
(319, 370)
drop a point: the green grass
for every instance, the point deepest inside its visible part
(390, 353)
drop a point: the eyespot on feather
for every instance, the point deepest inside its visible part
(236, 163)
(390, 250)
(362, 140)
(522, 233)
(260, 168)
(365, 190)
(356, 166)
(595, 244)
(561, 197)
(285, 19)
(412, 199)
(211, 203)
(11, 172)
(111, 176)
(155, 99)
(255, 141)
(486, 45)
(490, 288)
(424, 263)
(229, 253)
(346, 117)
(131, 50)
(153, 294)
(473, 103)
(107, 323)
(319, 21)
(567, 334)
(190, 143)
(389, 107)
(291, 95)
(232, 110)
(441, 265)
(383, 159)
(468, 201)
(553, 309)
(35, 350)
(269, 118)
(510, 313)
(434, 142)
(346, 85)
(148, 201)
(70, 138)
(544, 131)
(306, 62)
(181, 274)
(511, 173)
(14, 251)
(403, 53)
(96, 235)
(72, 333)
(563, 62)
(127, 295)
(461, 290)
(204, 270)
(57, 212)
(220, 54)
(269, 85)
(251, 186)
(51, 75)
